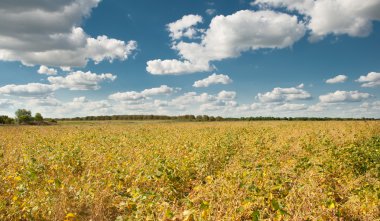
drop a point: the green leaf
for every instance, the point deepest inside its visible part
(255, 215)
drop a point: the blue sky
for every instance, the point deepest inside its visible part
(228, 58)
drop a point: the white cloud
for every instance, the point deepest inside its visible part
(344, 96)
(226, 95)
(79, 80)
(274, 109)
(163, 89)
(176, 67)
(210, 107)
(199, 103)
(218, 105)
(46, 33)
(365, 105)
(283, 94)
(213, 79)
(65, 68)
(103, 48)
(376, 105)
(80, 100)
(319, 107)
(188, 103)
(371, 80)
(81, 106)
(369, 108)
(337, 17)
(184, 27)
(192, 98)
(5, 103)
(161, 103)
(228, 37)
(45, 70)
(134, 95)
(126, 96)
(77, 107)
(210, 11)
(214, 106)
(28, 90)
(255, 106)
(44, 102)
(337, 79)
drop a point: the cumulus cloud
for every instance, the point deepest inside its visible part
(368, 108)
(192, 97)
(65, 68)
(226, 95)
(134, 95)
(47, 33)
(50, 106)
(44, 102)
(222, 101)
(161, 103)
(176, 67)
(45, 70)
(337, 17)
(126, 96)
(163, 89)
(81, 106)
(344, 96)
(28, 90)
(337, 79)
(283, 94)
(104, 48)
(370, 80)
(79, 80)
(184, 27)
(213, 79)
(210, 107)
(318, 107)
(228, 36)
(80, 99)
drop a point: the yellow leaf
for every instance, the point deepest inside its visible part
(209, 179)
(332, 205)
(70, 215)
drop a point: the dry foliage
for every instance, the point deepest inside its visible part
(191, 171)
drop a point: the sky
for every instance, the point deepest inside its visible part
(231, 58)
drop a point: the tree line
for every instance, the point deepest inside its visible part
(23, 116)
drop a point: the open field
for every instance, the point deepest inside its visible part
(191, 171)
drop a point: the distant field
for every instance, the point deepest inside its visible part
(191, 171)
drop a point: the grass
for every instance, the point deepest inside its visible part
(191, 171)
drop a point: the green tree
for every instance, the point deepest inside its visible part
(23, 116)
(6, 120)
(38, 117)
